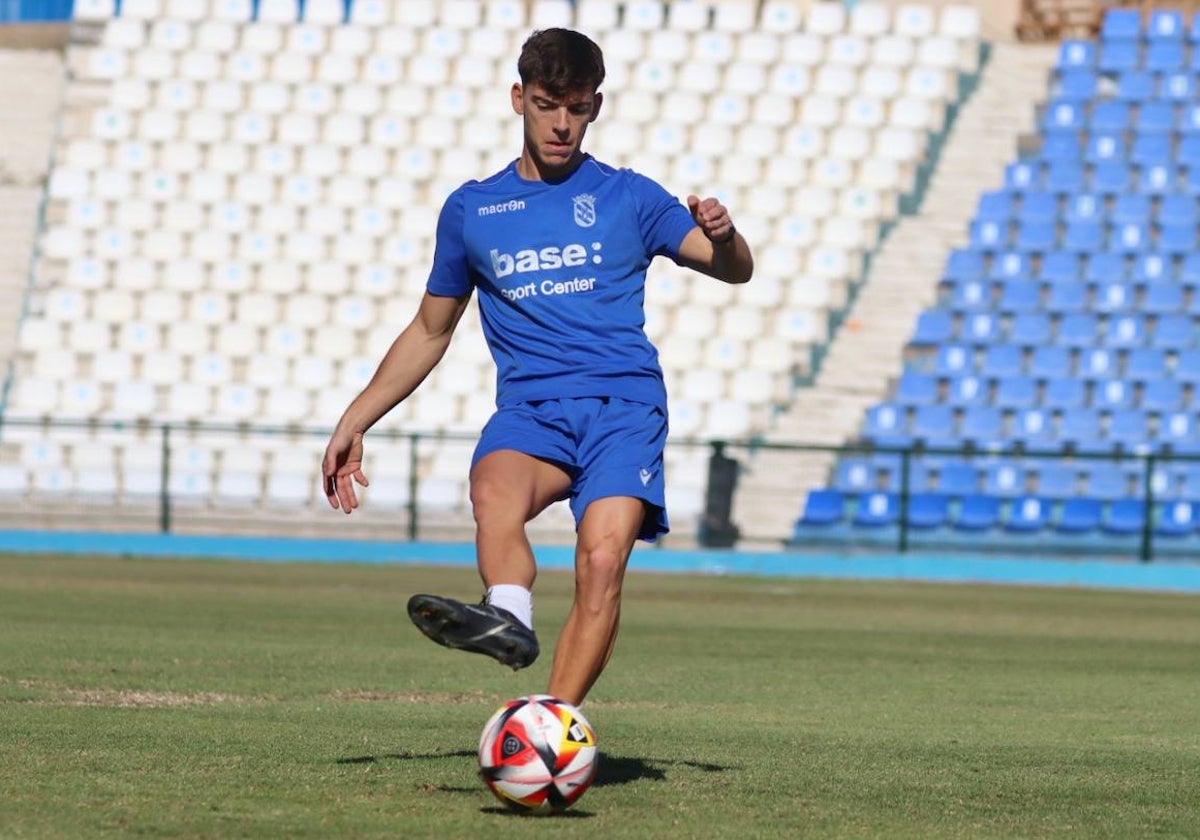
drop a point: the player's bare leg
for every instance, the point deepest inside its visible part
(507, 490)
(607, 533)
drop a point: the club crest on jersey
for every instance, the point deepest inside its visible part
(585, 209)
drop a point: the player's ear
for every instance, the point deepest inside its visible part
(518, 102)
(597, 101)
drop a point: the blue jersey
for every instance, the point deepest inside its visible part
(561, 269)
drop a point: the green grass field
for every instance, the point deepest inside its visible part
(215, 699)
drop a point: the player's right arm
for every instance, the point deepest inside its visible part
(414, 353)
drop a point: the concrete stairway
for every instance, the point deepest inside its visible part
(31, 90)
(865, 356)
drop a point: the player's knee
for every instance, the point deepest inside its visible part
(492, 502)
(599, 574)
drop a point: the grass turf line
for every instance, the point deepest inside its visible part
(218, 699)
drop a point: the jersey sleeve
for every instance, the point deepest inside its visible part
(450, 275)
(663, 220)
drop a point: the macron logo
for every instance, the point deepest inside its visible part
(645, 475)
(570, 255)
(503, 207)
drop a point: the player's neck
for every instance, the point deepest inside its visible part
(531, 169)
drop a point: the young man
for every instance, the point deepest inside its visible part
(557, 245)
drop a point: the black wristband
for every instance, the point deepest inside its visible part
(727, 239)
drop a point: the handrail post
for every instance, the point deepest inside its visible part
(904, 493)
(1147, 548)
(412, 487)
(164, 488)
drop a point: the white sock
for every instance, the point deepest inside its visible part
(516, 599)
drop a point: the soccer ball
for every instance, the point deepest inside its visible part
(537, 754)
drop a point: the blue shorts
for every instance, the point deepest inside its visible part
(608, 446)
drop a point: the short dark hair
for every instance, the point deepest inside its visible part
(561, 61)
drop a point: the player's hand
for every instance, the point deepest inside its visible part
(712, 217)
(341, 467)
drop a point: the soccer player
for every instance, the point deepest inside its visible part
(556, 245)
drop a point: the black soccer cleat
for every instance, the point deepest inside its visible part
(478, 628)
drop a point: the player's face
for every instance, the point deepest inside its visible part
(554, 125)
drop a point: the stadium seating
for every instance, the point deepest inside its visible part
(236, 232)
(1071, 311)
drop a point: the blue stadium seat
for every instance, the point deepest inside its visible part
(967, 295)
(1022, 175)
(1187, 153)
(957, 478)
(1136, 86)
(1097, 363)
(1124, 516)
(1104, 267)
(928, 510)
(1178, 238)
(915, 388)
(1059, 267)
(977, 513)
(1191, 482)
(989, 236)
(1150, 267)
(1189, 271)
(1146, 364)
(887, 425)
(1038, 207)
(1030, 329)
(980, 328)
(1132, 207)
(1034, 429)
(1083, 236)
(1162, 395)
(1050, 362)
(934, 424)
(1128, 429)
(1063, 115)
(1180, 209)
(1082, 207)
(1175, 519)
(1173, 332)
(1027, 513)
(1078, 84)
(1064, 393)
(1010, 265)
(855, 475)
(1077, 55)
(1163, 56)
(995, 205)
(1079, 428)
(934, 327)
(1153, 116)
(1112, 297)
(1014, 392)
(964, 264)
(1111, 115)
(1105, 481)
(967, 390)
(953, 360)
(1105, 146)
(1035, 237)
(1079, 516)
(1111, 177)
(822, 508)
(1056, 480)
(1125, 331)
(1177, 86)
(1165, 26)
(1121, 25)
(1060, 145)
(1189, 117)
(1177, 429)
(1005, 479)
(1112, 394)
(1162, 297)
(875, 510)
(1003, 360)
(1119, 56)
(982, 425)
(1187, 366)
(1068, 296)
(1065, 177)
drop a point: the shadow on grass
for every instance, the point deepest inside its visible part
(613, 769)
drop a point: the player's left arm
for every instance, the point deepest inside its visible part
(714, 247)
